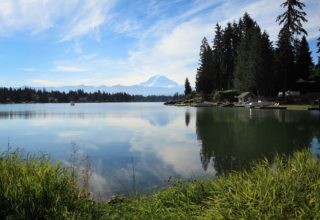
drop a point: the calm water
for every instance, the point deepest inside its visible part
(159, 142)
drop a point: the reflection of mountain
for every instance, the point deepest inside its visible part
(233, 138)
(156, 114)
(160, 118)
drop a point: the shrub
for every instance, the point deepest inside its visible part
(227, 95)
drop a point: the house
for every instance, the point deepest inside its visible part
(289, 94)
(246, 97)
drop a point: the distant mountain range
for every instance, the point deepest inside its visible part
(155, 85)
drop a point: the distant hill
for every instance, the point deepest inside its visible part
(155, 85)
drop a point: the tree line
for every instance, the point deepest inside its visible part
(242, 57)
(12, 95)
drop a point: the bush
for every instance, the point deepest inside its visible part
(228, 95)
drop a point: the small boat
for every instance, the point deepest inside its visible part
(72, 103)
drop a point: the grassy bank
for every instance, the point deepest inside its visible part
(289, 188)
(298, 107)
(31, 187)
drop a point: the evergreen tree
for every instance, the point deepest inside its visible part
(204, 78)
(247, 62)
(266, 79)
(229, 47)
(217, 53)
(187, 87)
(303, 61)
(246, 23)
(284, 59)
(318, 45)
(291, 20)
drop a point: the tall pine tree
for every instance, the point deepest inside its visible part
(229, 46)
(303, 60)
(318, 45)
(247, 60)
(204, 77)
(217, 53)
(266, 79)
(187, 87)
(291, 21)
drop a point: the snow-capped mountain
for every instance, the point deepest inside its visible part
(159, 81)
(155, 85)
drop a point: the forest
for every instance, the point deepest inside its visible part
(29, 95)
(243, 58)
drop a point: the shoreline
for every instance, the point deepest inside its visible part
(289, 107)
(285, 187)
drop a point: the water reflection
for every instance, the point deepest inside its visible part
(112, 135)
(187, 117)
(162, 141)
(233, 138)
(315, 146)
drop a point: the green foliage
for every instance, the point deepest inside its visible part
(318, 51)
(204, 77)
(292, 19)
(303, 59)
(284, 59)
(254, 62)
(248, 61)
(32, 188)
(227, 95)
(187, 87)
(8, 95)
(288, 189)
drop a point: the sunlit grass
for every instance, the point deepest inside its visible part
(289, 189)
(296, 106)
(286, 188)
(32, 187)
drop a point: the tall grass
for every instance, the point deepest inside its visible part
(32, 187)
(289, 188)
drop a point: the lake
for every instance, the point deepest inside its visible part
(142, 146)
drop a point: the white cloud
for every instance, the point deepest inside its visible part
(175, 50)
(90, 16)
(71, 134)
(27, 69)
(45, 82)
(68, 69)
(167, 44)
(73, 18)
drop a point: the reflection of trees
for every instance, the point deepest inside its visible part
(18, 114)
(232, 139)
(187, 118)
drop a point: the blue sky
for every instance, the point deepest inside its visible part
(109, 42)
